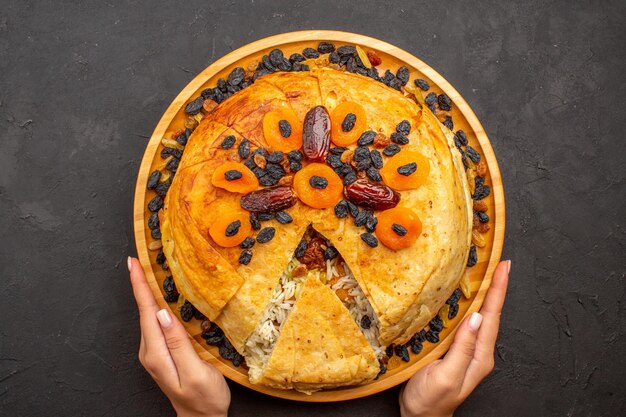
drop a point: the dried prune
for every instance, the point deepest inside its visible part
(247, 243)
(391, 149)
(155, 204)
(236, 76)
(373, 174)
(346, 50)
(194, 106)
(153, 179)
(377, 159)
(366, 138)
(265, 235)
(169, 287)
(269, 199)
(404, 127)
(228, 142)
(399, 229)
(186, 311)
(233, 228)
(366, 322)
(403, 75)
(300, 249)
(316, 134)
(245, 257)
(399, 138)
(371, 223)
(370, 239)
(444, 102)
(423, 84)
(156, 233)
(341, 209)
(153, 221)
(283, 217)
(472, 154)
(232, 174)
(244, 149)
(330, 253)
(310, 53)
(318, 182)
(371, 195)
(285, 128)
(296, 58)
(473, 257)
(407, 169)
(325, 47)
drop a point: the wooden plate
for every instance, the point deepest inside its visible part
(393, 57)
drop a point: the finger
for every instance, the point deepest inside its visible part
(184, 355)
(491, 309)
(461, 353)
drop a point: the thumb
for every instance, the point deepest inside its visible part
(461, 352)
(177, 340)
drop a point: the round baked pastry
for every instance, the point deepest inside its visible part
(318, 217)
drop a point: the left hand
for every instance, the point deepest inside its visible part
(194, 387)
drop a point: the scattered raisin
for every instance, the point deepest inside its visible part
(404, 127)
(430, 99)
(295, 166)
(232, 174)
(171, 293)
(318, 182)
(432, 337)
(391, 149)
(265, 235)
(417, 347)
(156, 233)
(399, 138)
(245, 257)
(285, 128)
(186, 311)
(346, 50)
(366, 138)
(310, 53)
(153, 179)
(373, 174)
(481, 192)
(330, 253)
(399, 229)
(444, 102)
(453, 311)
(348, 122)
(153, 221)
(403, 75)
(155, 204)
(472, 154)
(228, 142)
(448, 122)
(283, 217)
(473, 257)
(402, 352)
(462, 137)
(233, 228)
(325, 47)
(371, 223)
(266, 216)
(300, 249)
(407, 169)
(366, 322)
(375, 60)
(423, 84)
(482, 216)
(254, 221)
(247, 243)
(244, 149)
(370, 239)
(162, 188)
(296, 58)
(194, 106)
(341, 209)
(236, 76)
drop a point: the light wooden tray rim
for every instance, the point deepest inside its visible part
(307, 36)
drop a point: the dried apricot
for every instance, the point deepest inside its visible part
(348, 121)
(282, 129)
(234, 177)
(318, 186)
(398, 228)
(406, 170)
(231, 228)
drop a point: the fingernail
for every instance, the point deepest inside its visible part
(508, 266)
(130, 264)
(475, 321)
(165, 320)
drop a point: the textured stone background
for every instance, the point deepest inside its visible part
(83, 85)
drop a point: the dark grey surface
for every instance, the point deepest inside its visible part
(82, 86)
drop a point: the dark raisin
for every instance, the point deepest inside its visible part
(479, 181)
(436, 324)
(366, 138)
(182, 139)
(186, 311)
(219, 96)
(254, 221)
(362, 217)
(153, 179)
(364, 164)
(371, 223)
(444, 102)
(343, 170)
(285, 65)
(348, 122)
(472, 154)
(296, 58)
(482, 216)
(417, 347)
(285, 128)
(432, 337)
(245, 257)
(197, 314)
(165, 266)
(407, 169)
(481, 192)
(207, 94)
(453, 311)
(377, 159)
(300, 249)
(165, 152)
(334, 160)
(172, 165)
(228, 142)
(214, 336)
(232, 174)
(338, 150)
(283, 217)
(304, 67)
(448, 122)
(162, 188)
(330, 253)
(346, 50)
(169, 287)
(370, 239)
(399, 229)
(430, 99)
(221, 84)
(403, 75)
(421, 335)
(473, 257)
(352, 208)
(455, 297)
(194, 106)
(423, 84)
(325, 47)
(333, 58)
(361, 153)
(399, 138)
(294, 156)
(268, 64)
(366, 322)
(404, 127)
(349, 178)
(244, 149)
(275, 157)
(266, 216)
(318, 182)
(236, 76)
(259, 73)
(295, 166)
(275, 170)
(276, 56)
(246, 83)
(341, 209)
(310, 53)
(233, 228)
(153, 221)
(461, 137)
(391, 149)
(160, 258)
(265, 235)
(373, 174)
(155, 204)
(247, 243)
(389, 351)
(402, 352)
(156, 233)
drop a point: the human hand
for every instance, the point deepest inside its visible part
(440, 387)
(195, 388)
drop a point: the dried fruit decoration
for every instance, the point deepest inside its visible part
(269, 200)
(341, 137)
(311, 192)
(399, 175)
(230, 228)
(371, 195)
(225, 176)
(282, 129)
(398, 228)
(316, 134)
